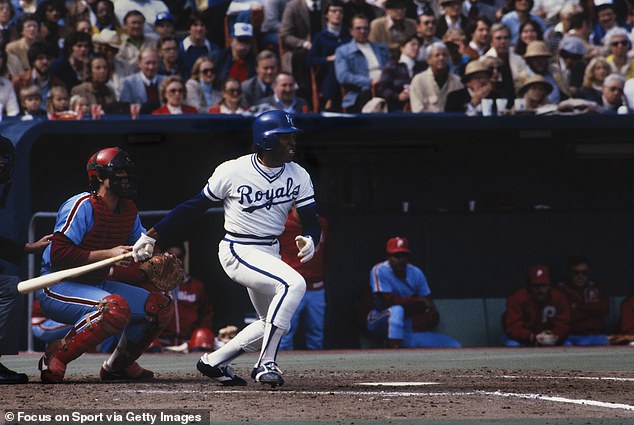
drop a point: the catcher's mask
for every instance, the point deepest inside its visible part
(105, 164)
(202, 339)
(7, 158)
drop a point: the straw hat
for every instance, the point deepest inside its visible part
(474, 67)
(536, 49)
(109, 37)
(535, 79)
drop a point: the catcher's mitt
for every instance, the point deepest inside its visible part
(620, 339)
(164, 271)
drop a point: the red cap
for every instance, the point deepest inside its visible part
(396, 245)
(539, 275)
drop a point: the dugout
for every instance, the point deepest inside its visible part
(486, 197)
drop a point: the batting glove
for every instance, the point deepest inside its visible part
(143, 248)
(306, 248)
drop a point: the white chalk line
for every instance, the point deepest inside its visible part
(591, 378)
(583, 402)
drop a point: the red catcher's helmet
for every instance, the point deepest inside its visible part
(202, 340)
(104, 164)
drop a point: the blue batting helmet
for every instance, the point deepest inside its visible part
(268, 125)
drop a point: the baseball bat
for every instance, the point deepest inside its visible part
(50, 279)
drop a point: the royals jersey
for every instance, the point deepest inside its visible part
(257, 199)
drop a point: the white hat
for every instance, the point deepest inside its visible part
(599, 3)
(242, 30)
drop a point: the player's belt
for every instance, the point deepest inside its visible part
(250, 239)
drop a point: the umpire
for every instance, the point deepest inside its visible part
(10, 299)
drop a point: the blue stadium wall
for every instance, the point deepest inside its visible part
(486, 197)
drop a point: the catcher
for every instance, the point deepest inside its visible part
(92, 226)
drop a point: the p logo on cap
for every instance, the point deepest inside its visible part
(396, 245)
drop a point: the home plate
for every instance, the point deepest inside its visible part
(396, 384)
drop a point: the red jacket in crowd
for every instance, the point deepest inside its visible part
(588, 307)
(524, 317)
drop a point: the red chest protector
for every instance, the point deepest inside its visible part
(109, 230)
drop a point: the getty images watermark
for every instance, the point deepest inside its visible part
(98, 417)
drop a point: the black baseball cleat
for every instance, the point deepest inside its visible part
(268, 373)
(7, 376)
(221, 374)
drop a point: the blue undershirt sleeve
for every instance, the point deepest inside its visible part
(182, 215)
(310, 222)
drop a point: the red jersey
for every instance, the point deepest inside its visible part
(627, 316)
(524, 317)
(314, 271)
(588, 306)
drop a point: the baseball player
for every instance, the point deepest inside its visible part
(257, 191)
(92, 226)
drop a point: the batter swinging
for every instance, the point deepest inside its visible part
(257, 191)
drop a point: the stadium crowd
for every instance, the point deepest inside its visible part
(74, 59)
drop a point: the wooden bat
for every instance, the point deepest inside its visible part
(47, 280)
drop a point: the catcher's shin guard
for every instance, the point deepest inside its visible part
(110, 319)
(122, 363)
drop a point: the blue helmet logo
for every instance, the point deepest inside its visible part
(268, 125)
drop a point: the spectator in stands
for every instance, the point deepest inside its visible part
(311, 311)
(429, 89)
(231, 102)
(354, 8)
(170, 63)
(203, 88)
(529, 31)
(173, 96)
(589, 305)
(8, 29)
(627, 316)
(455, 41)
(520, 11)
(571, 15)
(193, 308)
(514, 69)
(143, 86)
(404, 313)
(79, 105)
(238, 60)
(38, 72)
(452, 17)
(57, 100)
(244, 10)
(301, 21)
(284, 96)
(571, 62)
(71, 66)
(593, 78)
(105, 17)
(25, 6)
(195, 44)
(273, 11)
(476, 9)
(617, 43)
(134, 40)
(107, 44)
(95, 87)
(358, 65)
(80, 10)
(49, 13)
(535, 91)
(478, 33)
(612, 94)
(415, 8)
(29, 30)
(31, 103)
(322, 56)
(538, 58)
(392, 29)
(426, 31)
(477, 86)
(164, 25)
(536, 314)
(261, 85)
(8, 98)
(83, 25)
(397, 75)
(148, 8)
(606, 19)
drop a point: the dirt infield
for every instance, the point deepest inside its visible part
(348, 387)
